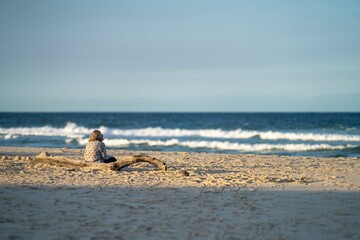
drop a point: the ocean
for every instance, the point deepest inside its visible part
(294, 134)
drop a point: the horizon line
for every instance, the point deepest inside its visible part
(180, 112)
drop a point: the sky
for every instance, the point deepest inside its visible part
(180, 56)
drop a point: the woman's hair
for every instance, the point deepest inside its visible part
(96, 136)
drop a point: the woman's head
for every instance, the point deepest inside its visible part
(96, 136)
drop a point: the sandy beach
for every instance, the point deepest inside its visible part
(225, 196)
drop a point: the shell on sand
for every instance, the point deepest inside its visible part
(17, 158)
(4, 158)
(44, 154)
(183, 173)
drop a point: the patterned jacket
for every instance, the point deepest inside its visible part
(96, 152)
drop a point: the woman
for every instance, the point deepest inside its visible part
(95, 149)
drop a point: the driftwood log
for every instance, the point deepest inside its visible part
(115, 166)
(127, 161)
(67, 163)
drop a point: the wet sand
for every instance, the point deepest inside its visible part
(226, 196)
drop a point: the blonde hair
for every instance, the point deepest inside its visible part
(96, 136)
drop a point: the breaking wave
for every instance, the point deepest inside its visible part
(72, 130)
(219, 145)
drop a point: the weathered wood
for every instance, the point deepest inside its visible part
(67, 162)
(116, 166)
(126, 161)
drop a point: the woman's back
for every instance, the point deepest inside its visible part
(95, 151)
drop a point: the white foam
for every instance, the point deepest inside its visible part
(161, 132)
(9, 136)
(219, 145)
(261, 146)
(308, 136)
(232, 134)
(71, 130)
(126, 142)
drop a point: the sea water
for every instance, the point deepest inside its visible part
(305, 134)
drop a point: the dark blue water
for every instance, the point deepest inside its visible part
(308, 134)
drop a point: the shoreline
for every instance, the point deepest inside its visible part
(226, 196)
(211, 169)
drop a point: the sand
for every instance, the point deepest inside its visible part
(226, 196)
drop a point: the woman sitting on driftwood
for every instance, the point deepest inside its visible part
(95, 150)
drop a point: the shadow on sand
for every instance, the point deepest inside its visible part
(37, 212)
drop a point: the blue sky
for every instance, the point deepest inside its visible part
(179, 55)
